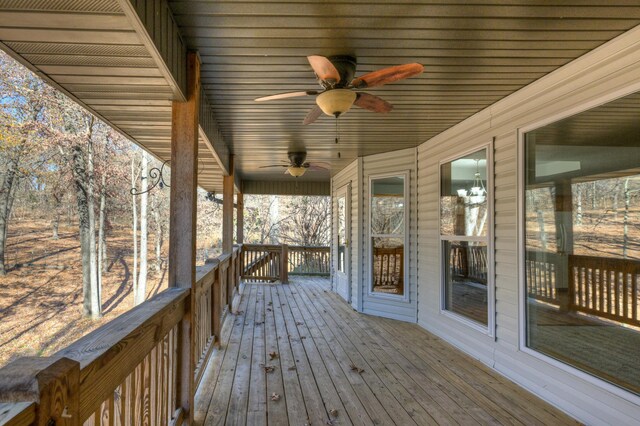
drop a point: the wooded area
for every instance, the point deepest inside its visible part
(74, 209)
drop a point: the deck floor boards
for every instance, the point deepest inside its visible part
(410, 376)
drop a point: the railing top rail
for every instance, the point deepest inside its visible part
(108, 354)
(206, 269)
(310, 248)
(17, 413)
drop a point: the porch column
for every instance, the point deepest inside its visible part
(227, 209)
(563, 212)
(182, 231)
(240, 218)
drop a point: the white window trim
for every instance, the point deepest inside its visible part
(520, 213)
(406, 175)
(490, 328)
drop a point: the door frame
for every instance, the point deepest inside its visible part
(344, 191)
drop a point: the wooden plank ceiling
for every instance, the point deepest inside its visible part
(474, 54)
(90, 49)
(116, 57)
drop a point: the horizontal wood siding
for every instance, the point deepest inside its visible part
(348, 175)
(612, 70)
(389, 163)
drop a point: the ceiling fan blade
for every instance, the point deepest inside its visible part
(372, 103)
(315, 167)
(387, 75)
(273, 165)
(324, 69)
(286, 95)
(312, 115)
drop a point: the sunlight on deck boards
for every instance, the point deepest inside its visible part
(297, 354)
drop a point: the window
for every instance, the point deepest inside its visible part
(465, 230)
(342, 233)
(581, 253)
(388, 229)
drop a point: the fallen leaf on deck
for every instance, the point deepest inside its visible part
(356, 369)
(292, 368)
(273, 355)
(275, 396)
(269, 368)
(299, 323)
(334, 413)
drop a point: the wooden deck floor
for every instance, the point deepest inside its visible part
(297, 354)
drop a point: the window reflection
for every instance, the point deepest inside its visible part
(464, 217)
(388, 265)
(466, 279)
(582, 259)
(342, 235)
(387, 235)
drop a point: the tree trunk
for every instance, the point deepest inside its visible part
(159, 238)
(56, 226)
(96, 305)
(101, 237)
(135, 230)
(144, 200)
(579, 204)
(627, 201)
(6, 195)
(79, 174)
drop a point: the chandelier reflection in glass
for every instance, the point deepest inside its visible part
(477, 194)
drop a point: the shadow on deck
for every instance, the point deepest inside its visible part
(297, 354)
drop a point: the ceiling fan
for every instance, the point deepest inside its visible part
(336, 76)
(297, 165)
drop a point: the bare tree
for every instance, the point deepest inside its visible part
(141, 291)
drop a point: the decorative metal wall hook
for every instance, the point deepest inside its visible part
(156, 176)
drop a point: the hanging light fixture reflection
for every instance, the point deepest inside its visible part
(477, 194)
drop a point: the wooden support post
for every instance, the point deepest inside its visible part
(284, 264)
(240, 218)
(563, 209)
(182, 231)
(52, 385)
(216, 309)
(227, 209)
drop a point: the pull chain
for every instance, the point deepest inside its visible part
(337, 129)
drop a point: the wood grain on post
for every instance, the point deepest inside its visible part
(182, 240)
(240, 218)
(52, 384)
(284, 267)
(227, 209)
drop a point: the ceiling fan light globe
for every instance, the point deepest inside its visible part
(296, 171)
(336, 102)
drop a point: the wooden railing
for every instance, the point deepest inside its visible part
(264, 262)
(603, 287)
(129, 371)
(388, 267)
(469, 262)
(270, 262)
(309, 260)
(541, 269)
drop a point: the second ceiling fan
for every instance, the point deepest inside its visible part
(336, 76)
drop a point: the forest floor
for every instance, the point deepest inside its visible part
(41, 299)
